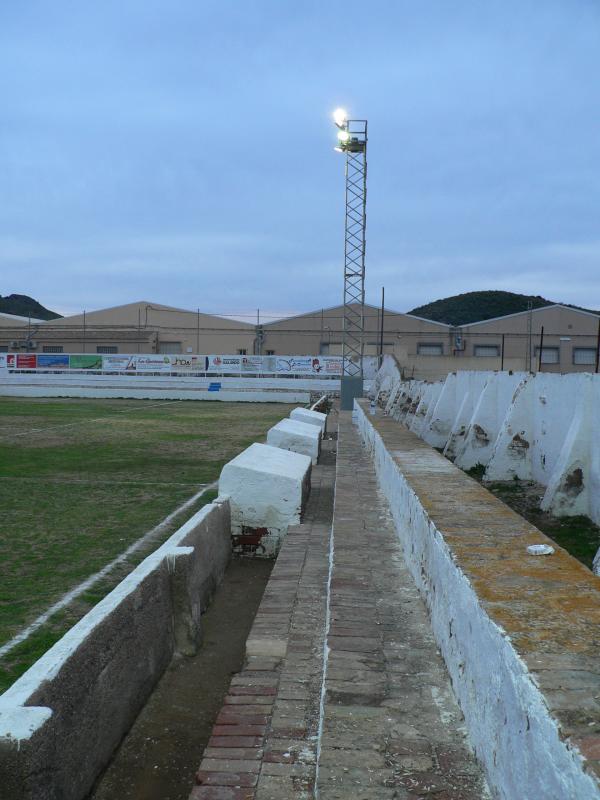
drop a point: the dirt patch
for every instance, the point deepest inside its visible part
(481, 437)
(518, 445)
(574, 482)
(158, 758)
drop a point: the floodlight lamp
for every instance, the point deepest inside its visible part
(343, 136)
(340, 117)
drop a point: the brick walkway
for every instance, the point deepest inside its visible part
(389, 726)
(264, 743)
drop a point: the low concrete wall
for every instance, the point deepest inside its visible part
(518, 632)
(145, 393)
(62, 720)
(239, 382)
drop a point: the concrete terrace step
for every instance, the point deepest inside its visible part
(378, 716)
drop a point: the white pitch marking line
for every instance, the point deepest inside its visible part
(83, 421)
(68, 481)
(88, 582)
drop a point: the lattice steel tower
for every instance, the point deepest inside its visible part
(352, 140)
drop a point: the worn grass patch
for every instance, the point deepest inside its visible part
(81, 480)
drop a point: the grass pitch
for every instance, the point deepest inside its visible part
(81, 480)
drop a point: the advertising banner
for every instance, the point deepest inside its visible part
(224, 363)
(53, 361)
(294, 364)
(153, 363)
(26, 361)
(183, 363)
(252, 364)
(11, 361)
(327, 365)
(85, 361)
(118, 363)
(3, 360)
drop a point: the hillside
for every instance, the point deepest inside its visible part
(23, 306)
(461, 309)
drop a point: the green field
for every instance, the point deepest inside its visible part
(81, 480)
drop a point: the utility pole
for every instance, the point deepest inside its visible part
(197, 331)
(352, 140)
(381, 321)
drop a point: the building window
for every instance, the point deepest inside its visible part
(270, 352)
(107, 348)
(486, 350)
(430, 349)
(242, 352)
(169, 347)
(550, 355)
(52, 348)
(584, 355)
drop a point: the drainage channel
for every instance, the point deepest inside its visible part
(159, 756)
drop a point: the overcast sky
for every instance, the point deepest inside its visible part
(180, 151)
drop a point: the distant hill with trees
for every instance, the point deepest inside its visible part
(23, 306)
(461, 309)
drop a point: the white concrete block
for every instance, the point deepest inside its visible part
(299, 437)
(310, 417)
(542, 427)
(268, 488)
(437, 430)
(486, 420)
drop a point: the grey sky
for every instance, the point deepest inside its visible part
(181, 151)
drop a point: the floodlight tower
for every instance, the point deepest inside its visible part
(352, 140)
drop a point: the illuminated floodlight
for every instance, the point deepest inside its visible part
(340, 117)
(352, 142)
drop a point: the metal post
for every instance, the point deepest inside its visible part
(529, 335)
(502, 356)
(84, 331)
(598, 347)
(321, 343)
(197, 331)
(381, 324)
(541, 350)
(353, 142)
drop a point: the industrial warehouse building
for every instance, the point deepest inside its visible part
(423, 348)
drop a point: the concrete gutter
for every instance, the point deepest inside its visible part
(62, 720)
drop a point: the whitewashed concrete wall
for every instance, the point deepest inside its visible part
(62, 720)
(138, 393)
(288, 383)
(540, 427)
(156, 387)
(495, 699)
